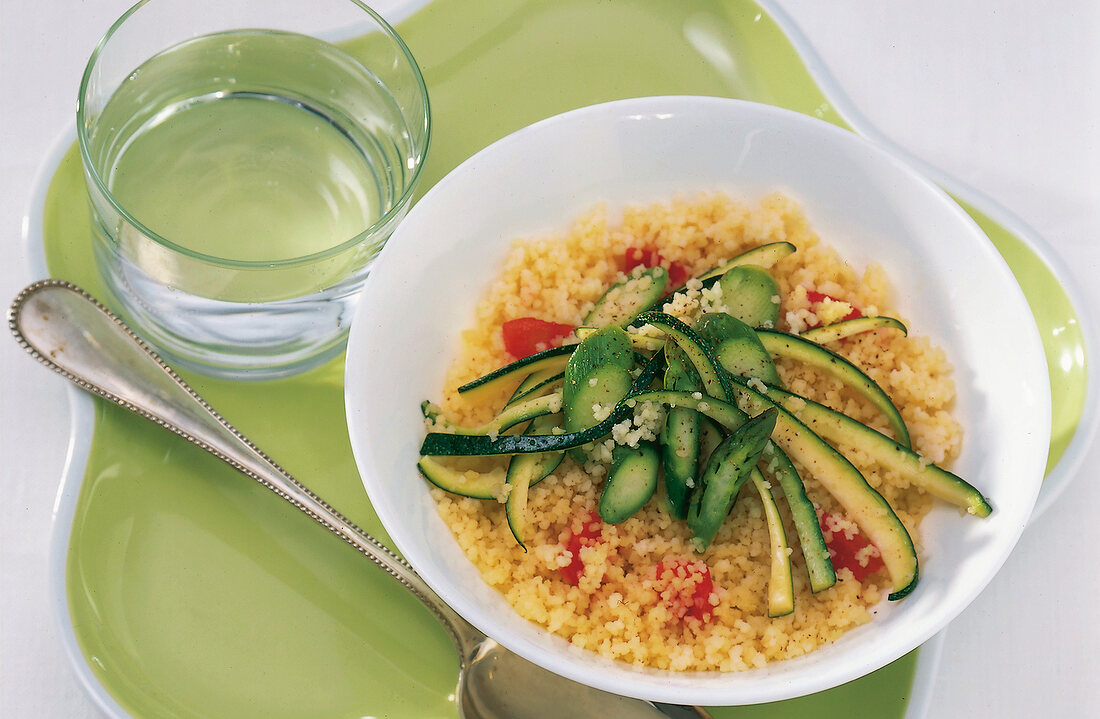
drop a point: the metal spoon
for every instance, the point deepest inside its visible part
(68, 331)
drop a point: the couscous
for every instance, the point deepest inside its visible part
(644, 590)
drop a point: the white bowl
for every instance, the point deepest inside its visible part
(949, 282)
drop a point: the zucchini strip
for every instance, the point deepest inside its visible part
(873, 514)
(780, 584)
(466, 482)
(854, 326)
(631, 481)
(539, 382)
(819, 565)
(597, 377)
(443, 444)
(763, 256)
(710, 436)
(751, 295)
(487, 387)
(781, 344)
(726, 414)
(737, 347)
(730, 465)
(640, 342)
(509, 417)
(715, 381)
(840, 428)
(524, 472)
(680, 440)
(624, 300)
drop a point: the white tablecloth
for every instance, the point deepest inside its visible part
(1002, 94)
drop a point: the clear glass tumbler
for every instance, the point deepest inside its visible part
(245, 161)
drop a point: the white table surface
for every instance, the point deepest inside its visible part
(1002, 94)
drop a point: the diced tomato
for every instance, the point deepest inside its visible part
(650, 257)
(640, 257)
(816, 298)
(587, 534)
(677, 275)
(525, 336)
(844, 551)
(686, 588)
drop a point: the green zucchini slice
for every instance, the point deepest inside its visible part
(680, 437)
(751, 295)
(780, 583)
(631, 481)
(819, 565)
(466, 482)
(642, 343)
(873, 514)
(441, 444)
(537, 384)
(854, 326)
(737, 347)
(444, 444)
(509, 417)
(715, 381)
(781, 344)
(597, 377)
(763, 256)
(624, 300)
(726, 414)
(728, 468)
(710, 436)
(487, 387)
(524, 472)
(840, 428)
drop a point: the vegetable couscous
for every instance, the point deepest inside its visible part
(644, 589)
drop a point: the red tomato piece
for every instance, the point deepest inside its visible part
(677, 275)
(686, 588)
(816, 297)
(640, 257)
(587, 534)
(845, 551)
(525, 336)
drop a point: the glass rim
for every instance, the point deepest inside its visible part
(398, 207)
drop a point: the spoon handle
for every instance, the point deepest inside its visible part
(66, 329)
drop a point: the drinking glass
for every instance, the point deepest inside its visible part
(246, 160)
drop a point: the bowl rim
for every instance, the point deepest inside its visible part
(669, 686)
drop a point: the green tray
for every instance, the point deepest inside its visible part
(193, 592)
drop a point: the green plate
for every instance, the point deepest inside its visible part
(193, 592)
